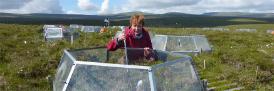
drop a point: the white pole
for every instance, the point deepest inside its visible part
(125, 44)
(151, 80)
(71, 39)
(204, 64)
(126, 51)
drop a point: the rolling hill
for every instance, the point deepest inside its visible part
(171, 19)
(241, 14)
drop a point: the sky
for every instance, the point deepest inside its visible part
(102, 7)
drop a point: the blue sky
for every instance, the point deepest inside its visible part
(72, 7)
(92, 7)
(69, 4)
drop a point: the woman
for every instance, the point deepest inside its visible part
(135, 36)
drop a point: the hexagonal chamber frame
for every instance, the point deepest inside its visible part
(96, 69)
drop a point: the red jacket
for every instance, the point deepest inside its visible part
(131, 42)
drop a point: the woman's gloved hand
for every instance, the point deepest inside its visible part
(149, 54)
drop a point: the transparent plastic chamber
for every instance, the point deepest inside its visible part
(194, 44)
(90, 28)
(53, 33)
(96, 69)
(181, 44)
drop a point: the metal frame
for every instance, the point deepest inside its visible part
(194, 40)
(71, 70)
(113, 65)
(151, 80)
(65, 78)
(194, 70)
(165, 43)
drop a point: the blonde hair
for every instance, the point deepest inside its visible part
(137, 19)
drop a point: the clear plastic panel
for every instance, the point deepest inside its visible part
(159, 42)
(99, 78)
(91, 28)
(101, 55)
(54, 32)
(49, 26)
(172, 72)
(135, 56)
(176, 76)
(138, 56)
(167, 56)
(74, 26)
(91, 55)
(202, 43)
(180, 43)
(62, 73)
(97, 28)
(246, 30)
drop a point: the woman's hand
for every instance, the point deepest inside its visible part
(121, 37)
(148, 53)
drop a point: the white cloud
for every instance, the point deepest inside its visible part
(197, 6)
(86, 5)
(154, 4)
(235, 5)
(73, 12)
(104, 7)
(43, 6)
(32, 6)
(12, 4)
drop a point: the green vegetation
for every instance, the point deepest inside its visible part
(246, 20)
(241, 57)
(27, 67)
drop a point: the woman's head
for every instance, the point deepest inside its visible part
(137, 23)
(137, 20)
